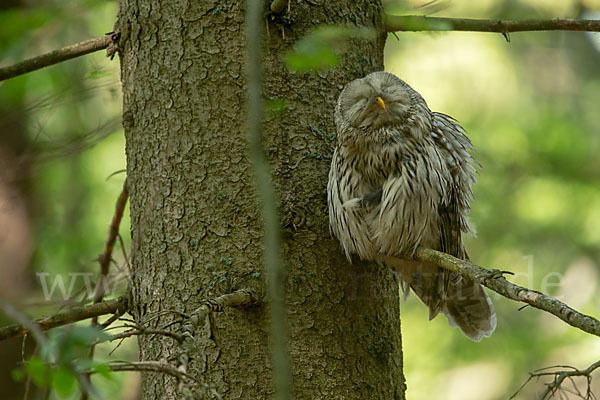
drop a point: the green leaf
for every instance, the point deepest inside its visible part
(63, 381)
(104, 371)
(38, 370)
(72, 342)
(321, 48)
(18, 374)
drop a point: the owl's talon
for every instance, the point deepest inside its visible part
(497, 273)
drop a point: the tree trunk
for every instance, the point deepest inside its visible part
(196, 226)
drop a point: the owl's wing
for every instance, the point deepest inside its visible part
(466, 304)
(347, 221)
(456, 148)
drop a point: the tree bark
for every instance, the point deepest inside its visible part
(196, 226)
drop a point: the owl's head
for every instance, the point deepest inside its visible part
(380, 99)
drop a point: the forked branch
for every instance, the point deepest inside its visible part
(559, 375)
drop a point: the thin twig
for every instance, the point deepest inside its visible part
(151, 366)
(105, 258)
(414, 23)
(559, 378)
(143, 331)
(73, 315)
(55, 57)
(124, 250)
(113, 232)
(266, 193)
(494, 280)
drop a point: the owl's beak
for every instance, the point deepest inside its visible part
(381, 103)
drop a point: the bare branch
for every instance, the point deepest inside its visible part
(73, 315)
(105, 259)
(151, 366)
(144, 331)
(56, 56)
(414, 23)
(494, 280)
(266, 193)
(240, 298)
(559, 377)
(113, 232)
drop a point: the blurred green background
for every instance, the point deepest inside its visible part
(531, 107)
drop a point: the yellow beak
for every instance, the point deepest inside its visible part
(381, 103)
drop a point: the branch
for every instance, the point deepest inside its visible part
(73, 315)
(414, 23)
(57, 56)
(113, 232)
(237, 299)
(105, 259)
(559, 378)
(150, 366)
(266, 193)
(144, 331)
(26, 322)
(494, 280)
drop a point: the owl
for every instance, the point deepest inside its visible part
(400, 178)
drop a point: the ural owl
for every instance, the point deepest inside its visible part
(401, 177)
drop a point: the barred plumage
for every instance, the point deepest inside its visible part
(401, 177)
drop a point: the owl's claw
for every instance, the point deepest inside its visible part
(371, 199)
(368, 200)
(497, 273)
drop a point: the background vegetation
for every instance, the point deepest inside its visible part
(532, 108)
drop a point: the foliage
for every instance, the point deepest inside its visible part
(63, 359)
(321, 49)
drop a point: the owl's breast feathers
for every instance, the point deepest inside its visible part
(425, 187)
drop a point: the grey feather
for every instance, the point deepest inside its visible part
(401, 177)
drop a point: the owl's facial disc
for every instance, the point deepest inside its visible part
(383, 107)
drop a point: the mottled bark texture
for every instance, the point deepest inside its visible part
(195, 219)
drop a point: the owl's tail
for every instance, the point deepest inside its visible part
(464, 302)
(468, 306)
